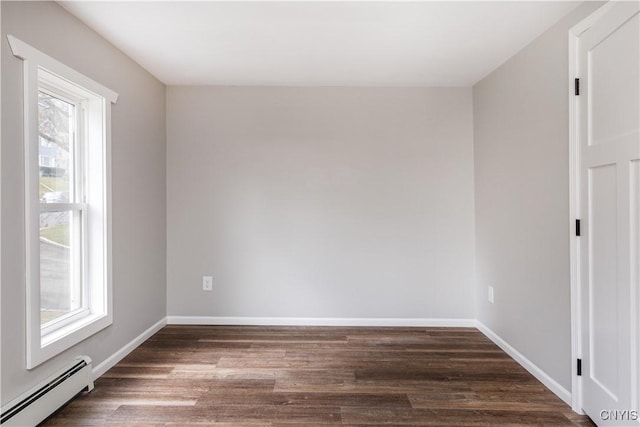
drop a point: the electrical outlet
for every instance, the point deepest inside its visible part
(207, 283)
(490, 294)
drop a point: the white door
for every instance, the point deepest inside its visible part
(609, 191)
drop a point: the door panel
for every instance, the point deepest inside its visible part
(603, 278)
(609, 150)
(609, 63)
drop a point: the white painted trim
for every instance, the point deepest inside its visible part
(533, 369)
(112, 360)
(574, 213)
(574, 202)
(318, 321)
(37, 67)
(26, 52)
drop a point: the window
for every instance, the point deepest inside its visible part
(62, 205)
(67, 204)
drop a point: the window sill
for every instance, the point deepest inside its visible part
(67, 336)
(69, 329)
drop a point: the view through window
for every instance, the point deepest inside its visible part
(60, 229)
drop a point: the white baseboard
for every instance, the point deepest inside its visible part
(128, 348)
(318, 321)
(533, 369)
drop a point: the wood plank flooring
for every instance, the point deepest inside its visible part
(317, 376)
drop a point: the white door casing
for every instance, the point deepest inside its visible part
(606, 198)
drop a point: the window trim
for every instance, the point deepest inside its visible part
(41, 348)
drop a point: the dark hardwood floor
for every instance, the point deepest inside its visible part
(295, 376)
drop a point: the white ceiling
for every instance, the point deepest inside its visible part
(320, 43)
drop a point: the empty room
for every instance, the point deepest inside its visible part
(320, 213)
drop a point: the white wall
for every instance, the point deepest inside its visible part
(320, 202)
(139, 218)
(521, 134)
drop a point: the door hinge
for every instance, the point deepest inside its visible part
(577, 86)
(577, 227)
(579, 367)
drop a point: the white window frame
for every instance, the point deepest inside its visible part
(44, 343)
(58, 88)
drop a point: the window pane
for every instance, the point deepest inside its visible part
(55, 148)
(60, 291)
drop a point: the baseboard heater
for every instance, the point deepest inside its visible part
(35, 405)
